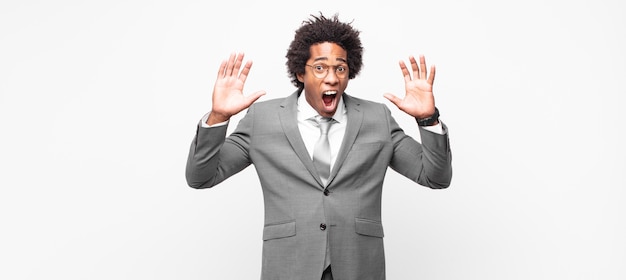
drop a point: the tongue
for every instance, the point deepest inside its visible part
(328, 99)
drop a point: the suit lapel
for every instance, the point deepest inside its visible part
(355, 118)
(289, 122)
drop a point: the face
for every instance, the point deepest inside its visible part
(323, 93)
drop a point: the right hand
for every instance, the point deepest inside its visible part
(228, 98)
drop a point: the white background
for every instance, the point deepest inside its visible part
(99, 102)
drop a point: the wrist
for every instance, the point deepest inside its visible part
(216, 118)
(430, 120)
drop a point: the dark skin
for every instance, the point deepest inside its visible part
(228, 98)
(314, 87)
(419, 100)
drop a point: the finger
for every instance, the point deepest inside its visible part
(230, 64)
(431, 78)
(238, 62)
(222, 71)
(405, 72)
(244, 73)
(254, 97)
(423, 73)
(394, 99)
(416, 73)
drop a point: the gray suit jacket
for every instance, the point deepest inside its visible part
(295, 201)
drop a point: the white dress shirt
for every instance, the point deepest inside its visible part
(310, 132)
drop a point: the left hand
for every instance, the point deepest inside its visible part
(419, 100)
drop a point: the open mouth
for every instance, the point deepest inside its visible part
(328, 97)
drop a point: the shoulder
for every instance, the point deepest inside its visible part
(364, 104)
(269, 102)
(266, 106)
(274, 103)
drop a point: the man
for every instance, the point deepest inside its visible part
(322, 188)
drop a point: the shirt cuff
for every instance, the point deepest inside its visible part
(438, 128)
(206, 117)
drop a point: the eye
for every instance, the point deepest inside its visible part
(341, 69)
(319, 68)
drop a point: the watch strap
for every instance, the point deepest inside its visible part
(429, 120)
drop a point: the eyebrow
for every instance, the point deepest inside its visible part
(326, 59)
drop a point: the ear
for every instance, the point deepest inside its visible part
(300, 77)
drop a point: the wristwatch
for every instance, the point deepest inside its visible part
(430, 120)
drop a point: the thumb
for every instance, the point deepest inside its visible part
(394, 99)
(253, 97)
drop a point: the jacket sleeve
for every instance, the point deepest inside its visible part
(428, 163)
(213, 157)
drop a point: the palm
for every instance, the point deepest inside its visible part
(419, 100)
(228, 94)
(228, 98)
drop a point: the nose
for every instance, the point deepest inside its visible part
(331, 76)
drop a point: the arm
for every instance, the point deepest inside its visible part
(433, 156)
(429, 163)
(212, 157)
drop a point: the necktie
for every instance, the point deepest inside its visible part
(321, 152)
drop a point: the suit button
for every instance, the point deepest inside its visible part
(323, 226)
(326, 192)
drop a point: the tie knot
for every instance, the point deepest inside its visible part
(324, 124)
